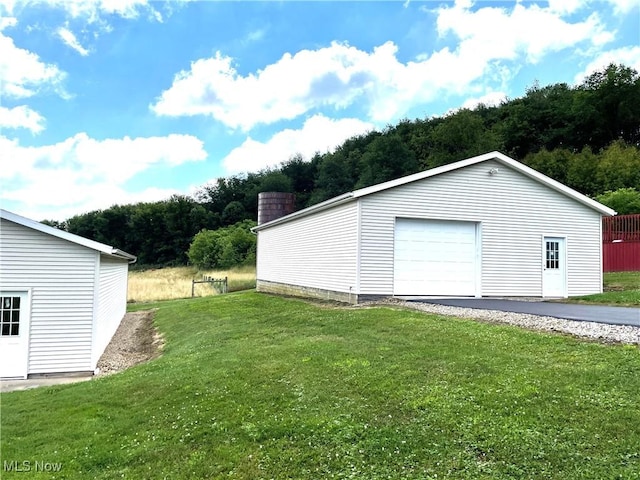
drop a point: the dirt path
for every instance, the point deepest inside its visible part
(136, 341)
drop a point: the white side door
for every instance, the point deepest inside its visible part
(14, 334)
(554, 267)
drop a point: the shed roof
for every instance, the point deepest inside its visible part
(497, 156)
(55, 232)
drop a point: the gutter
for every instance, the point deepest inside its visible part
(122, 254)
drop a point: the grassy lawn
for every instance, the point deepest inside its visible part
(620, 288)
(618, 281)
(175, 282)
(252, 386)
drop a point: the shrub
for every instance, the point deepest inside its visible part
(224, 248)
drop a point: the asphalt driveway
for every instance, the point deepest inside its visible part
(584, 313)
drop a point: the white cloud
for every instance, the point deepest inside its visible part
(81, 173)
(255, 36)
(334, 76)
(69, 38)
(497, 33)
(284, 90)
(21, 117)
(491, 99)
(572, 6)
(624, 6)
(22, 73)
(92, 10)
(564, 7)
(340, 75)
(124, 8)
(628, 56)
(318, 134)
(7, 22)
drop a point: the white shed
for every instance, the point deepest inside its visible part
(62, 298)
(485, 226)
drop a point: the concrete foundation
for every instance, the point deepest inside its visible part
(311, 292)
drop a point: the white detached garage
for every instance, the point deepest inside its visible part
(62, 298)
(485, 226)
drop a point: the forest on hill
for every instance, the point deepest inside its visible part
(586, 136)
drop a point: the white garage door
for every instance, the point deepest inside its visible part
(433, 257)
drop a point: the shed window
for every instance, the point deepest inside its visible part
(9, 316)
(553, 255)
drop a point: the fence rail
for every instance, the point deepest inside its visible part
(219, 284)
(624, 228)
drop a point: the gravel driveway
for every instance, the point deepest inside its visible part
(594, 331)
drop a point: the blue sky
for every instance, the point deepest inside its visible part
(119, 101)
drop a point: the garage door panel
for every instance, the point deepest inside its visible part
(433, 257)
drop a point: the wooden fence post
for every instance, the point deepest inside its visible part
(222, 282)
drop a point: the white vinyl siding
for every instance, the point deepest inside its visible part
(514, 211)
(61, 276)
(112, 302)
(318, 251)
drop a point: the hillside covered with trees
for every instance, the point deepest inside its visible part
(586, 136)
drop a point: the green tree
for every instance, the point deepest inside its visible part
(224, 248)
(543, 118)
(461, 135)
(335, 176)
(302, 175)
(233, 213)
(387, 157)
(625, 201)
(619, 167)
(60, 225)
(239, 246)
(608, 107)
(582, 171)
(216, 196)
(552, 163)
(206, 249)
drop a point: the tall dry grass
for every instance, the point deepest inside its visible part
(172, 283)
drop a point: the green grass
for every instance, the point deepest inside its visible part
(252, 386)
(620, 288)
(617, 281)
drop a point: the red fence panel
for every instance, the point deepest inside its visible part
(621, 243)
(624, 228)
(621, 257)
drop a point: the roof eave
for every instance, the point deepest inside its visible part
(501, 158)
(332, 202)
(495, 155)
(559, 187)
(70, 237)
(124, 255)
(432, 172)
